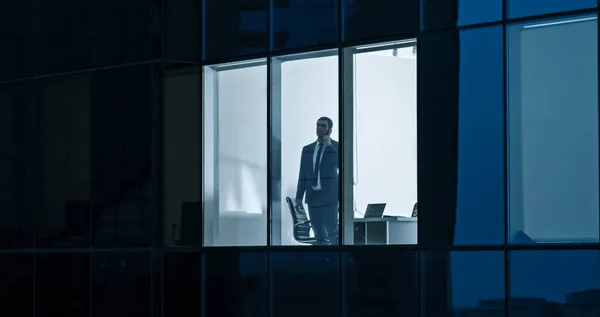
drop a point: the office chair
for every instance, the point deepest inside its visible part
(301, 223)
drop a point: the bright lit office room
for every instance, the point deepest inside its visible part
(254, 142)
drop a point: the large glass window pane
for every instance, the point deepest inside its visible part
(381, 283)
(553, 130)
(304, 134)
(16, 278)
(520, 8)
(235, 154)
(445, 14)
(381, 88)
(290, 27)
(365, 19)
(467, 283)
(480, 197)
(62, 284)
(183, 30)
(235, 284)
(235, 28)
(182, 284)
(17, 165)
(305, 284)
(16, 39)
(554, 283)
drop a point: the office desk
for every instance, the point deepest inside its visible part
(386, 230)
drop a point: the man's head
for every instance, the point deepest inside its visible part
(324, 126)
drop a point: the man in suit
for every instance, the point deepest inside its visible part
(318, 179)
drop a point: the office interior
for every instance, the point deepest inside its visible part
(380, 141)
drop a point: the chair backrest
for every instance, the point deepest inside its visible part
(300, 221)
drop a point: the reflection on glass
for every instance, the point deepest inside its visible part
(553, 131)
(305, 136)
(365, 19)
(62, 284)
(182, 284)
(480, 197)
(237, 279)
(304, 284)
(17, 165)
(555, 283)
(235, 154)
(290, 27)
(384, 101)
(477, 11)
(235, 28)
(16, 279)
(520, 8)
(381, 283)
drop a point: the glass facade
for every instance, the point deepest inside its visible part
(253, 158)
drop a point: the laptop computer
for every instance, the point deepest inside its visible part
(375, 210)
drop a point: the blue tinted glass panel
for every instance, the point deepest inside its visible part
(238, 279)
(304, 23)
(553, 131)
(478, 11)
(480, 201)
(520, 8)
(235, 28)
(554, 283)
(310, 278)
(364, 19)
(381, 283)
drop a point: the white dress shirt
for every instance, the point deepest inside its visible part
(318, 187)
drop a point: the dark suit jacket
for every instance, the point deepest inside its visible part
(329, 174)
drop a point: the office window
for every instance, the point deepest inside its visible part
(182, 283)
(364, 19)
(554, 283)
(235, 28)
(553, 131)
(16, 39)
(63, 147)
(305, 284)
(304, 116)
(182, 163)
(121, 31)
(445, 14)
(480, 197)
(381, 283)
(235, 154)
(468, 283)
(380, 89)
(17, 165)
(304, 23)
(235, 283)
(62, 284)
(519, 8)
(183, 30)
(16, 277)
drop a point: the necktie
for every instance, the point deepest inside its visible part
(315, 177)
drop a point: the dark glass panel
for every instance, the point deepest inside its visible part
(473, 282)
(235, 28)
(16, 39)
(16, 285)
(17, 165)
(446, 14)
(121, 31)
(124, 191)
(182, 284)
(480, 205)
(63, 175)
(238, 279)
(62, 284)
(305, 284)
(62, 41)
(183, 30)
(554, 283)
(381, 283)
(304, 23)
(365, 19)
(519, 8)
(121, 284)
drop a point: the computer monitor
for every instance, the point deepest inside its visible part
(375, 210)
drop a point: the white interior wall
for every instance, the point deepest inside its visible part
(558, 133)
